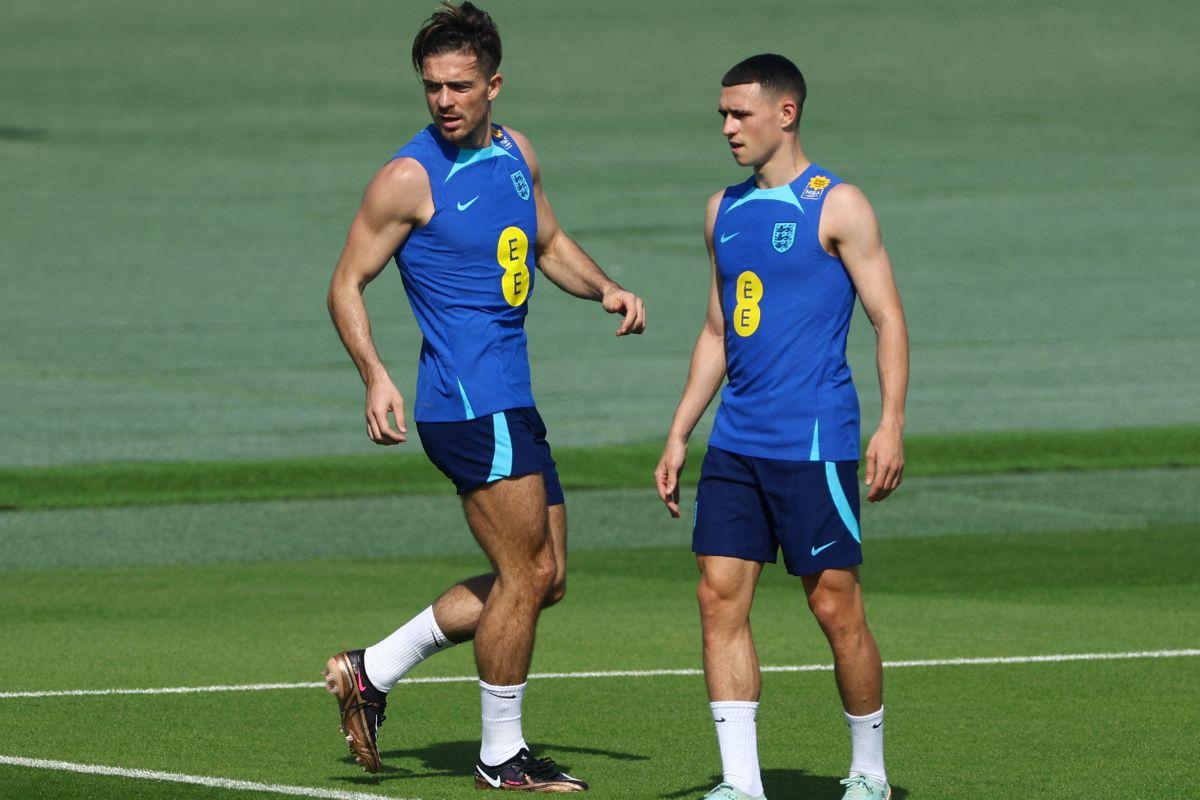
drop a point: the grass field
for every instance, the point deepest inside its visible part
(183, 471)
(1007, 730)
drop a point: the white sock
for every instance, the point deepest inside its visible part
(866, 745)
(737, 736)
(391, 659)
(502, 737)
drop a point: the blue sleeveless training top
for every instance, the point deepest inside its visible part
(468, 274)
(787, 306)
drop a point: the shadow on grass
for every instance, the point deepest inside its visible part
(457, 759)
(785, 783)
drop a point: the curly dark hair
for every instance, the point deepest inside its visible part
(463, 28)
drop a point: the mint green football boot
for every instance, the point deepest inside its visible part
(864, 787)
(725, 791)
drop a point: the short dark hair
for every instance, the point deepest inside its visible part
(455, 29)
(771, 71)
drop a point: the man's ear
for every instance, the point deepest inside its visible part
(789, 113)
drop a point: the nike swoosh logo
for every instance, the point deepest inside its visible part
(722, 719)
(816, 550)
(725, 238)
(358, 676)
(493, 782)
(501, 696)
(877, 724)
(466, 205)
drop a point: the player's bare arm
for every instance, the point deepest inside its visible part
(705, 375)
(396, 200)
(563, 261)
(849, 228)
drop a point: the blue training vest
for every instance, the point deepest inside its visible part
(468, 274)
(787, 306)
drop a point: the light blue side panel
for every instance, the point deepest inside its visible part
(840, 501)
(502, 457)
(466, 402)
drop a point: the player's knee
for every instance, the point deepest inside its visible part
(715, 597)
(834, 613)
(544, 573)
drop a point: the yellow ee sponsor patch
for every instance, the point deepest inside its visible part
(746, 313)
(511, 251)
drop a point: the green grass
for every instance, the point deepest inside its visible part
(951, 730)
(604, 519)
(614, 467)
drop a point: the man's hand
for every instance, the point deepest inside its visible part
(885, 463)
(666, 474)
(619, 301)
(382, 397)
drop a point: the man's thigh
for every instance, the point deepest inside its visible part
(509, 518)
(730, 581)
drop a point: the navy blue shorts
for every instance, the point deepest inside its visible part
(750, 508)
(483, 450)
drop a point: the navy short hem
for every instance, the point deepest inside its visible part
(751, 508)
(480, 451)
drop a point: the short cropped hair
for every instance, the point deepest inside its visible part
(463, 28)
(773, 72)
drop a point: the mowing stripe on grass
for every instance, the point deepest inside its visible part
(133, 483)
(198, 780)
(628, 673)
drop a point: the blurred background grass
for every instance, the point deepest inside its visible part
(178, 179)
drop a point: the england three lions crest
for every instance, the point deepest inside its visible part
(783, 237)
(520, 184)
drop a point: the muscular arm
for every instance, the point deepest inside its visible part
(563, 261)
(705, 375)
(396, 200)
(850, 225)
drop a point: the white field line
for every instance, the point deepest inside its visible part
(198, 780)
(628, 673)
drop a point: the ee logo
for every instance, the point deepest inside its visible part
(511, 252)
(746, 314)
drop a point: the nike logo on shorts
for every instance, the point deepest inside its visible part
(817, 550)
